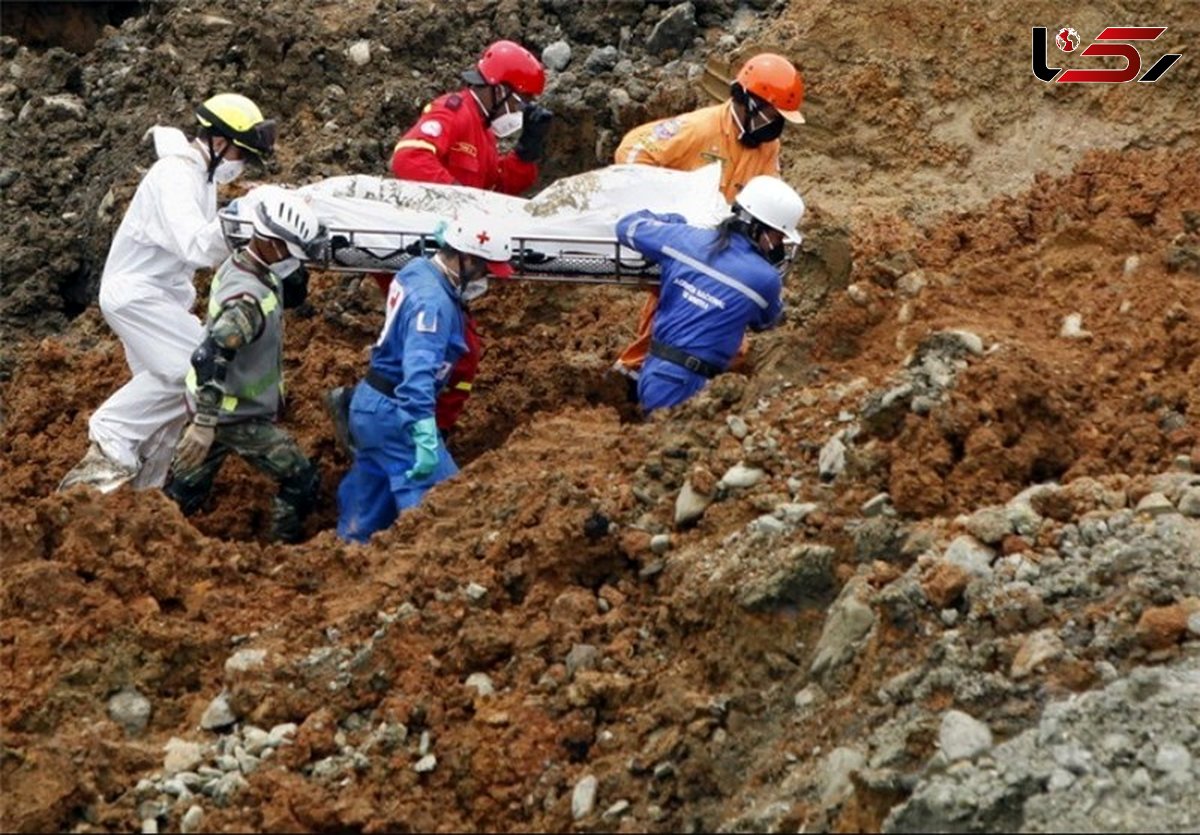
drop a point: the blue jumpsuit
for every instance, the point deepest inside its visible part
(706, 302)
(422, 339)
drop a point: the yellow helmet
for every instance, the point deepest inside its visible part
(240, 121)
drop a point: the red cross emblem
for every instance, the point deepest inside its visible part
(483, 237)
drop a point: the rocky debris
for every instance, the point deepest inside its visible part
(971, 556)
(660, 543)
(674, 30)
(581, 657)
(832, 459)
(1040, 647)
(359, 53)
(1116, 759)
(1072, 327)
(481, 683)
(583, 797)
(131, 710)
(557, 56)
(849, 620)
(218, 714)
(601, 59)
(800, 576)
(962, 736)
(181, 755)
(690, 505)
(192, 820)
(834, 774)
(739, 476)
(426, 764)
(1155, 504)
(990, 525)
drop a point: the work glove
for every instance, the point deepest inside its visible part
(425, 441)
(535, 124)
(193, 448)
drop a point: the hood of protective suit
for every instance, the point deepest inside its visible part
(172, 142)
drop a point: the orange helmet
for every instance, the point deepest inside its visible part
(773, 79)
(506, 62)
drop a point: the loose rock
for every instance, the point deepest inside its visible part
(131, 710)
(218, 714)
(583, 798)
(962, 736)
(557, 55)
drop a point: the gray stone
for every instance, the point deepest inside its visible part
(1038, 648)
(877, 505)
(192, 820)
(990, 525)
(660, 543)
(970, 555)
(911, 284)
(1189, 502)
(849, 620)
(218, 714)
(245, 661)
(601, 59)
(281, 734)
(690, 505)
(962, 736)
(674, 30)
(359, 53)
(65, 106)
(1072, 327)
(741, 476)
(131, 710)
(181, 755)
(150, 826)
(833, 780)
(8, 176)
(808, 697)
(831, 461)
(228, 787)
(227, 762)
(616, 810)
(481, 682)
(426, 764)
(1155, 504)
(737, 427)
(581, 657)
(1193, 623)
(475, 592)
(255, 740)
(557, 56)
(795, 512)
(800, 576)
(1173, 758)
(768, 524)
(583, 798)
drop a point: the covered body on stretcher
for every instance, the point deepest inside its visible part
(565, 233)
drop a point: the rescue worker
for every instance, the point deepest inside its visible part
(742, 134)
(169, 231)
(715, 284)
(235, 389)
(398, 452)
(454, 142)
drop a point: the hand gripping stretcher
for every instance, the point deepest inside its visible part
(566, 233)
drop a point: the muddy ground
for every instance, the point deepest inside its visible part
(949, 191)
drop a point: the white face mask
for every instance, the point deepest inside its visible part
(228, 170)
(507, 123)
(474, 289)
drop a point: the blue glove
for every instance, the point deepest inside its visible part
(234, 208)
(425, 440)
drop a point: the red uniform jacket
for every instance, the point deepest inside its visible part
(450, 144)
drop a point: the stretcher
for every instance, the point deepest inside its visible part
(566, 233)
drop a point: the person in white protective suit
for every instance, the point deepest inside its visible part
(170, 230)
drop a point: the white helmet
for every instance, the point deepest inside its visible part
(487, 237)
(286, 217)
(774, 203)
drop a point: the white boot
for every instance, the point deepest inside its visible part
(97, 470)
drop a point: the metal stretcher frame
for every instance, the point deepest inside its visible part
(349, 253)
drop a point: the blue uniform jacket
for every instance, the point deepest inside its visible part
(707, 299)
(422, 338)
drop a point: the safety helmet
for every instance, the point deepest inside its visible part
(506, 62)
(776, 81)
(774, 203)
(240, 121)
(484, 236)
(285, 216)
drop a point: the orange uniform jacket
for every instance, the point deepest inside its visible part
(451, 144)
(686, 143)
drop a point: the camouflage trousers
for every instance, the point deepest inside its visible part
(268, 448)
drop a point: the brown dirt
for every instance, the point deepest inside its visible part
(910, 155)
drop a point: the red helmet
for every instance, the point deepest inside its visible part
(505, 62)
(776, 80)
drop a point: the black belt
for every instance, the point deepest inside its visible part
(380, 382)
(683, 358)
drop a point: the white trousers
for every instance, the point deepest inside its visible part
(139, 425)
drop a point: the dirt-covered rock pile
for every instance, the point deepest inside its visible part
(933, 565)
